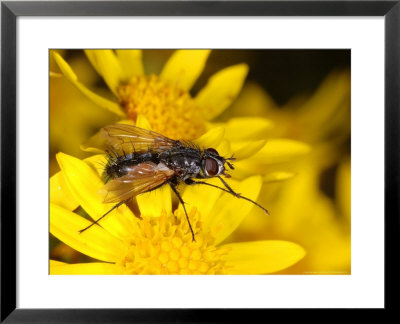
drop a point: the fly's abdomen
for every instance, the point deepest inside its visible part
(118, 166)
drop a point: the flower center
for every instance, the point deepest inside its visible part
(170, 110)
(163, 245)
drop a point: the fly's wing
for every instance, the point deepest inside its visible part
(126, 138)
(140, 178)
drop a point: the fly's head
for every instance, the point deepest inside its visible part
(213, 165)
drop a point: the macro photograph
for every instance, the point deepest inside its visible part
(199, 161)
(240, 156)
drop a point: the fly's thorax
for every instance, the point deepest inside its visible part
(184, 161)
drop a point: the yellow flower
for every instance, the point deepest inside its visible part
(73, 117)
(317, 219)
(163, 99)
(160, 242)
(164, 103)
(167, 104)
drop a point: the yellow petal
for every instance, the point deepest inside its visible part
(278, 176)
(107, 65)
(184, 67)
(212, 138)
(96, 242)
(54, 263)
(343, 188)
(131, 62)
(244, 149)
(55, 74)
(221, 90)
(224, 148)
(96, 144)
(246, 128)
(92, 268)
(254, 101)
(281, 150)
(229, 211)
(84, 184)
(334, 95)
(97, 163)
(60, 194)
(201, 197)
(247, 167)
(261, 257)
(100, 101)
(142, 122)
(154, 202)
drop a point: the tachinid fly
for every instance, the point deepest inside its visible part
(140, 160)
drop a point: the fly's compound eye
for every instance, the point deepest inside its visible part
(211, 167)
(212, 151)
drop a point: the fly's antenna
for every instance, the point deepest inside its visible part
(230, 164)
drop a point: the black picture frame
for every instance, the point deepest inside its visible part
(11, 10)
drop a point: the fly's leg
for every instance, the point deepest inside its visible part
(184, 208)
(229, 188)
(97, 221)
(192, 182)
